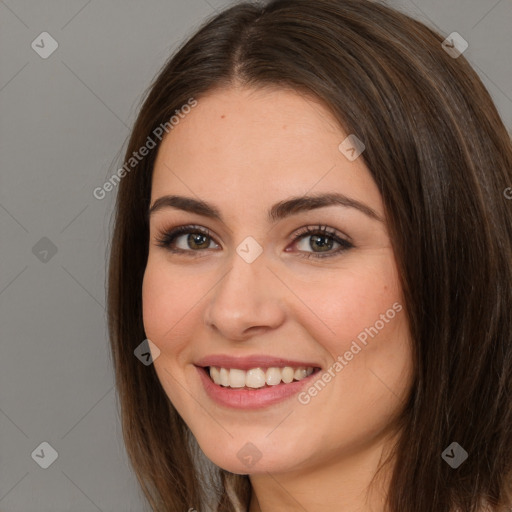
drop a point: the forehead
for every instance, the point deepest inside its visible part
(250, 145)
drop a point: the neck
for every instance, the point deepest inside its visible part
(336, 484)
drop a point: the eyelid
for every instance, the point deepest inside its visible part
(343, 241)
(167, 236)
(324, 229)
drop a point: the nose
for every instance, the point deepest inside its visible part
(247, 300)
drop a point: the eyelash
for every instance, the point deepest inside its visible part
(166, 238)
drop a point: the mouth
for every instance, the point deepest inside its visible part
(258, 377)
(253, 381)
(254, 387)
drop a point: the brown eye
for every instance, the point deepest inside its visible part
(323, 239)
(195, 239)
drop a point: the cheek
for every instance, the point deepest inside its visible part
(171, 302)
(164, 301)
(165, 304)
(351, 301)
(154, 294)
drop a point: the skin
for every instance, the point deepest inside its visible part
(243, 150)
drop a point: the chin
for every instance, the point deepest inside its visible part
(246, 459)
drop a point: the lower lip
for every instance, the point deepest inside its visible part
(243, 398)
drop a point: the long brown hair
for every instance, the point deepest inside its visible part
(442, 160)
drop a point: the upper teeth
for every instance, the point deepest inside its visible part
(257, 377)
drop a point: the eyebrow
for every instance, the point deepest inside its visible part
(277, 212)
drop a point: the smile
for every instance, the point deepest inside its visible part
(236, 394)
(255, 378)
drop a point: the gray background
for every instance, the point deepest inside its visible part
(63, 121)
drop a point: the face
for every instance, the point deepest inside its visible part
(258, 282)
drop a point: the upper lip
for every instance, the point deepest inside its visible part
(248, 362)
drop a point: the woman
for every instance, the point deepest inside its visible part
(313, 247)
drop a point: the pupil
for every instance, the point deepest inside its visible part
(316, 238)
(196, 238)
